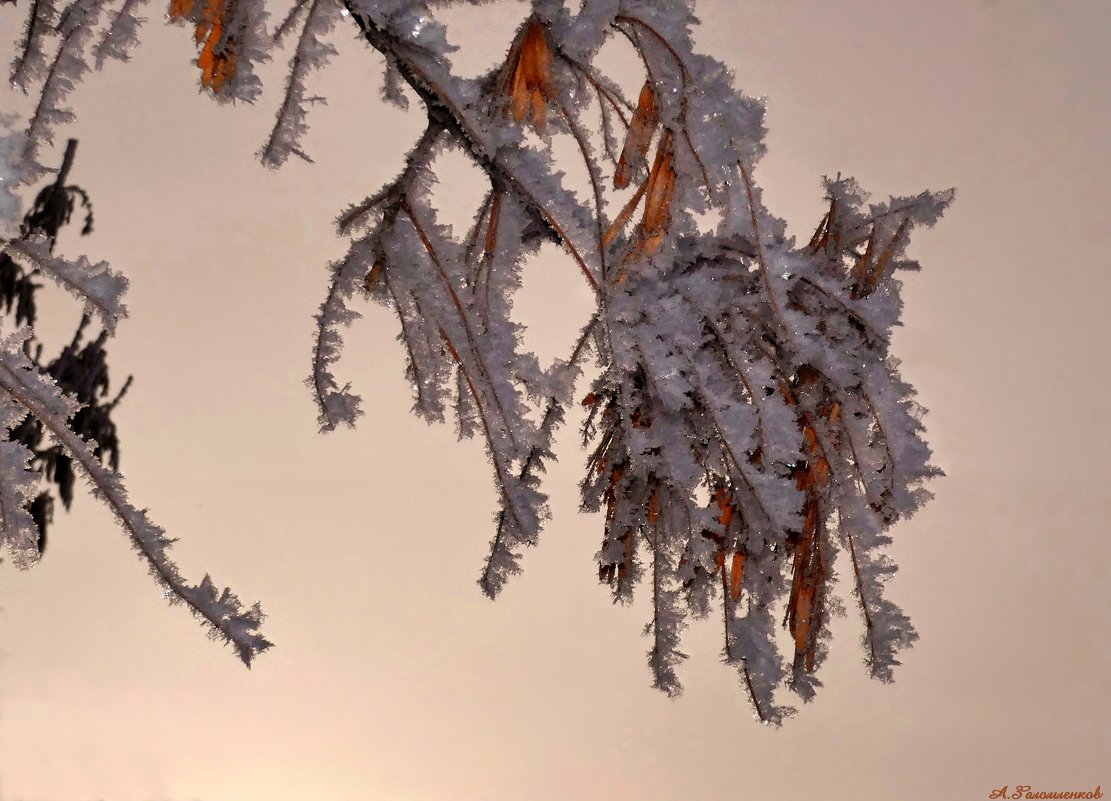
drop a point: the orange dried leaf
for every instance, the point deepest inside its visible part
(217, 68)
(492, 229)
(628, 549)
(180, 9)
(217, 58)
(212, 15)
(527, 76)
(652, 230)
(737, 574)
(804, 607)
(719, 560)
(661, 190)
(721, 497)
(873, 278)
(375, 275)
(634, 154)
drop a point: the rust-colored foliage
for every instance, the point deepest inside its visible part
(375, 274)
(180, 9)
(661, 191)
(870, 265)
(217, 57)
(810, 568)
(825, 234)
(872, 273)
(737, 574)
(526, 78)
(733, 578)
(634, 155)
(721, 497)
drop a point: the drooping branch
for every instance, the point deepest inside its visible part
(310, 54)
(222, 612)
(121, 35)
(503, 561)
(31, 58)
(337, 404)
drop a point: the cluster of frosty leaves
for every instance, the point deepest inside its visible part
(748, 423)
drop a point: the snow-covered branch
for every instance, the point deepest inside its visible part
(100, 288)
(39, 395)
(749, 431)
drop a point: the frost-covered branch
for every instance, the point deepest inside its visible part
(100, 288)
(67, 403)
(337, 404)
(749, 432)
(121, 35)
(30, 61)
(504, 559)
(38, 395)
(734, 365)
(311, 54)
(75, 28)
(419, 60)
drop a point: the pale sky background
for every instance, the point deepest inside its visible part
(393, 678)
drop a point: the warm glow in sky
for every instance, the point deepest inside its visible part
(392, 677)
